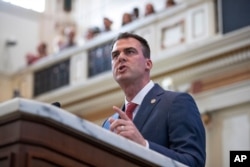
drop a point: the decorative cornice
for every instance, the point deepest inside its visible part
(220, 62)
(188, 55)
(223, 97)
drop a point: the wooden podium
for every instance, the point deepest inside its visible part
(35, 134)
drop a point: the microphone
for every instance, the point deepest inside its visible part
(57, 104)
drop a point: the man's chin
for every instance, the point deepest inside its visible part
(122, 78)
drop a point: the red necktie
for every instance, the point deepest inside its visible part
(130, 109)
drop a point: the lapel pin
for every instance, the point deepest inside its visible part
(153, 101)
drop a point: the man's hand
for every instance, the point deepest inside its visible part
(125, 127)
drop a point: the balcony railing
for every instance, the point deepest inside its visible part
(52, 77)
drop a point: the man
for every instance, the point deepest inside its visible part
(164, 121)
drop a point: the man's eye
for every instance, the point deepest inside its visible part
(129, 52)
(114, 56)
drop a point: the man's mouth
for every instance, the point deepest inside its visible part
(121, 68)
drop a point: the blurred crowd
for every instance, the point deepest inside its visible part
(67, 36)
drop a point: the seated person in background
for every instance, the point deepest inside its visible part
(58, 40)
(170, 3)
(149, 9)
(135, 13)
(70, 39)
(41, 52)
(92, 32)
(107, 24)
(126, 18)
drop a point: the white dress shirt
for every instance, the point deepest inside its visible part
(139, 98)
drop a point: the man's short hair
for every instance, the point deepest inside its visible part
(144, 43)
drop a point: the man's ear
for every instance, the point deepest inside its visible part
(149, 64)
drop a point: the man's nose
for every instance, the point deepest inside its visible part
(122, 57)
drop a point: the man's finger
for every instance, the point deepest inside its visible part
(111, 120)
(121, 113)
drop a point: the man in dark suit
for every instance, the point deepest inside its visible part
(164, 121)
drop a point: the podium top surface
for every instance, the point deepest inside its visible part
(59, 116)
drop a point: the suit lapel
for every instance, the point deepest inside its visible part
(147, 106)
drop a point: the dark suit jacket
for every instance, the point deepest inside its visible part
(172, 125)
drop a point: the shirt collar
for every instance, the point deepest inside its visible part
(140, 96)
